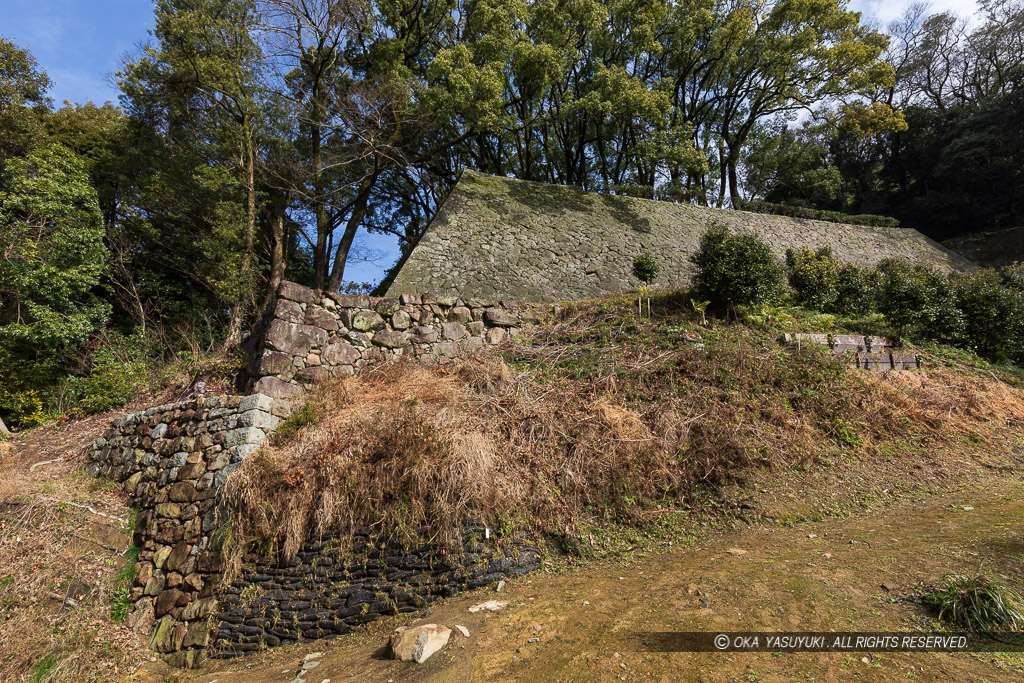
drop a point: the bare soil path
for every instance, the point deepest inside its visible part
(823, 576)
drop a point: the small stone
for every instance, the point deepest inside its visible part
(418, 643)
(500, 587)
(490, 606)
(463, 630)
(736, 551)
(460, 314)
(453, 331)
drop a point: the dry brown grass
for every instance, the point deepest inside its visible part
(583, 430)
(52, 548)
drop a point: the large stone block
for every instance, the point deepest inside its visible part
(294, 339)
(339, 354)
(289, 311)
(500, 317)
(296, 292)
(453, 331)
(275, 363)
(387, 307)
(367, 321)
(256, 402)
(390, 339)
(275, 388)
(167, 636)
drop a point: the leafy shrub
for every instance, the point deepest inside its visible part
(976, 603)
(119, 369)
(760, 206)
(735, 270)
(814, 277)
(645, 268)
(855, 290)
(906, 295)
(993, 315)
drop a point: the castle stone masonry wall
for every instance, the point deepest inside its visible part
(315, 335)
(325, 591)
(172, 460)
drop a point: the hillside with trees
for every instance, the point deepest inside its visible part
(255, 140)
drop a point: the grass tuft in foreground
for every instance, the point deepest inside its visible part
(977, 603)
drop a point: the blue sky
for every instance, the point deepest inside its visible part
(81, 43)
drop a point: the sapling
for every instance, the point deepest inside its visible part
(645, 269)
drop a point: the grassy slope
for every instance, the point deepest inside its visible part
(635, 434)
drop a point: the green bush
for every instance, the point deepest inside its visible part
(760, 206)
(992, 313)
(735, 270)
(906, 295)
(645, 268)
(119, 369)
(814, 277)
(855, 290)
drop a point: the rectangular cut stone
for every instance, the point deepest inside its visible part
(243, 435)
(256, 402)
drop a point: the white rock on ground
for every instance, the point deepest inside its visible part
(418, 643)
(463, 630)
(490, 606)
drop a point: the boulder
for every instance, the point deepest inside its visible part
(460, 314)
(295, 292)
(339, 354)
(390, 339)
(141, 619)
(401, 320)
(293, 339)
(418, 643)
(453, 331)
(275, 363)
(387, 307)
(275, 388)
(289, 311)
(500, 317)
(367, 321)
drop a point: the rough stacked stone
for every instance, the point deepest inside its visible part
(505, 238)
(322, 592)
(315, 335)
(172, 460)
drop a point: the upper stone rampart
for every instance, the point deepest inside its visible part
(514, 239)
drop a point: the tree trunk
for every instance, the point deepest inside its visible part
(734, 189)
(234, 334)
(358, 211)
(322, 229)
(275, 218)
(3, 427)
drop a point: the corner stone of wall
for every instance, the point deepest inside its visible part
(314, 335)
(172, 460)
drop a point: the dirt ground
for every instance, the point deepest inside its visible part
(821, 576)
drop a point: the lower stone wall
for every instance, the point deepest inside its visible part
(172, 460)
(325, 591)
(313, 335)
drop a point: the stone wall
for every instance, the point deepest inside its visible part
(503, 238)
(313, 335)
(326, 591)
(172, 460)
